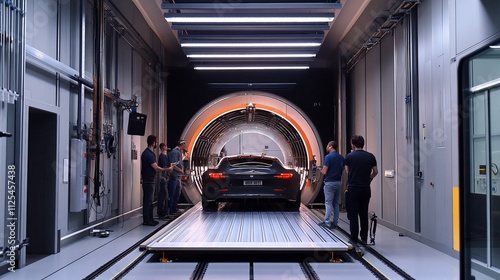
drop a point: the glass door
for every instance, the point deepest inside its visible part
(493, 183)
(481, 166)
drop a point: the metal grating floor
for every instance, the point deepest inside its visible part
(238, 230)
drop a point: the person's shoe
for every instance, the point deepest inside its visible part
(150, 223)
(333, 226)
(364, 242)
(359, 251)
(323, 224)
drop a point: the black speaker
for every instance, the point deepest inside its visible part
(136, 124)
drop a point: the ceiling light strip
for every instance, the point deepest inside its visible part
(250, 6)
(249, 45)
(300, 67)
(177, 18)
(297, 55)
(250, 84)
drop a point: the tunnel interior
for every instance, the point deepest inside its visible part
(219, 122)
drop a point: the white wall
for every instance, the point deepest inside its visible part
(255, 144)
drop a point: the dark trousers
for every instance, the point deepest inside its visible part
(357, 200)
(174, 192)
(148, 189)
(162, 197)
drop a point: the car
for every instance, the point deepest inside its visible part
(242, 177)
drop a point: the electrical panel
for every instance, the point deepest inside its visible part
(77, 188)
(480, 185)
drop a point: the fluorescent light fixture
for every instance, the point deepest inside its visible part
(248, 19)
(251, 67)
(248, 45)
(495, 46)
(292, 55)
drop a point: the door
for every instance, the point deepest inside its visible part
(481, 193)
(41, 184)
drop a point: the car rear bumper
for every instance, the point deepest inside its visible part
(246, 192)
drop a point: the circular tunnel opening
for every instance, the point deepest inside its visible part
(274, 125)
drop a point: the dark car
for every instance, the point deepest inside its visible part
(241, 177)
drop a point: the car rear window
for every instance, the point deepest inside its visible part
(241, 162)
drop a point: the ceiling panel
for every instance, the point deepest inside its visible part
(270, 40)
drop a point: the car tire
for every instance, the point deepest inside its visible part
(295, 205)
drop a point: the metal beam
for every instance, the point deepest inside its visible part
(251, 27)
(252, 36)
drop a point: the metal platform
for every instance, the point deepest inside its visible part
(246, 231)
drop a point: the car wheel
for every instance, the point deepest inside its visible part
(295, 205)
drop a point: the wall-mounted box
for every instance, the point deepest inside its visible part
(389, 173)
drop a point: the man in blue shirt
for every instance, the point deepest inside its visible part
(174, 179)
(148, 173)
(161, 208)
(361, 168)
(333, 166)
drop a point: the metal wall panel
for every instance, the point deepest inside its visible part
(388, 116)
(70, 31)
(40, 86)
(373, 135)
(435, 133)
(63, 152)
(41, 26)
(89, 35)
(357, 101)
(130, 193)
(476, 21)
(436, 210)
(404, 174)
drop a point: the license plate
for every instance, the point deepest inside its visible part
(252, 182)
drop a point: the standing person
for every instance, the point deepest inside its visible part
(162, 193)
(174, 180)
(333, 166)
(148, 174)
(361, 168)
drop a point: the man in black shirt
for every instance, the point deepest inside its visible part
(148, 173)
(361, 168)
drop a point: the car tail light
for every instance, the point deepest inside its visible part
(217, 175)
(284, 176)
